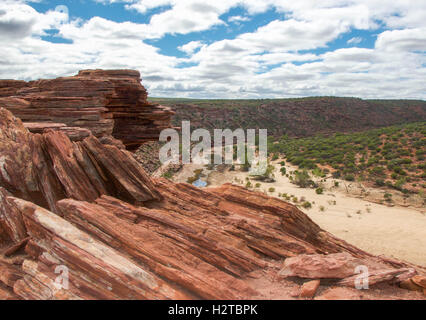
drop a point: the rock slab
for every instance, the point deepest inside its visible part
(104, 102)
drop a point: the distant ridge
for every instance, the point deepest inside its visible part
(297, 117)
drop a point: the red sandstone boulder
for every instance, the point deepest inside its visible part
(419, 280)
(309, 289)
(343, 266)
(334, 266)
(411, 285)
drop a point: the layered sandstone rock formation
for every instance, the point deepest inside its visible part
(108, 103)
(90, 209)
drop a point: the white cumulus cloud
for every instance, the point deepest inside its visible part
(354, 40)
(292, 55)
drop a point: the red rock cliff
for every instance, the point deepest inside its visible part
(106, 102)
(91, 208)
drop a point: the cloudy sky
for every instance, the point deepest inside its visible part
(225, 48)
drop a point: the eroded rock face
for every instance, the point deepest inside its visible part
(90, 262)
(343, 265)
(332, 266)
(90, 209)
(45, 168)
(106, 102)
(74, 133)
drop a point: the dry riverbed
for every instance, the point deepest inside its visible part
(348, 211)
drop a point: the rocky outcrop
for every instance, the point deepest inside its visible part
(332, 266)
(106, 102)
(82, 220)
(346, 267)
(49, 167)
(416, 283)
(74, 133)
(96, 270)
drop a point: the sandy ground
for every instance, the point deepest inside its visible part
(396, 231)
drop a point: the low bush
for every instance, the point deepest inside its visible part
(349, 177)
(306, 205)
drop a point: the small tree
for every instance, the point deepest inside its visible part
(302, 179)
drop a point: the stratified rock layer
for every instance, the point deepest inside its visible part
(106, 102)
(45, 168)
(88, 212)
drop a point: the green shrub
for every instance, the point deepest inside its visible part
(388, 197)
(302, 179)
(399, 183)
(349, 177)
(306, 205)
(359, 155)
(380, 182)
(318, 172)
(378, 172)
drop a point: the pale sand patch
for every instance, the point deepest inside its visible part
(398, 232)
